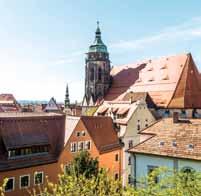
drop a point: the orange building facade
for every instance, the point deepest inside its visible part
(97, 136)
(21, 136)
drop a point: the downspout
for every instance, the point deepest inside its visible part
(134, 164)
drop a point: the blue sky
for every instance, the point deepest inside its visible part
(43, 42)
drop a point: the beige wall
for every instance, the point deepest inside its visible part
(142, 117)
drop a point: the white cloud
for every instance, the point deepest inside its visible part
(185, 31)
(70, 58)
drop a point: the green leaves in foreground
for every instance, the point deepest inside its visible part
(170, 183)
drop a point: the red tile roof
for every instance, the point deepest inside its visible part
(8, 103)
(172, 82)
(102, 132)
(182, 134)
(7, 97)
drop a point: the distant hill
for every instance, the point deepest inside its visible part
(25, 102)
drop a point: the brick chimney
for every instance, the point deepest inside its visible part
(175, 117)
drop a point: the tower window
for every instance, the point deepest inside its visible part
(99, 74)
(92, 74)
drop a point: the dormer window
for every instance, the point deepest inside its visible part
(174, 144)
(190, 146)
(161, 143)
(163, 67)
(165, 77)
(22, 152)
(151, 79)
(150, 68)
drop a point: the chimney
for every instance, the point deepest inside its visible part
(175, 117)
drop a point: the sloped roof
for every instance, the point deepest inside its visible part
(52, 105)
(182, 134)
(102, 132)
(135, 96)
(7, 98)
(8, 103)
(169, 81)
(19, 130)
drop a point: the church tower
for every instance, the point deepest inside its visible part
(97, 69)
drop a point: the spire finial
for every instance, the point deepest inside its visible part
(97, 24)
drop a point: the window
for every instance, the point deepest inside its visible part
(138, 127)
(190, 146)
(92, 74)
(188, 174)
(10, 184)
(174, 143)
(38, 178)
(73, 147)
(129, 179)
(87, 145)
(130, 143)
(80, 146)
(129, 160)
(24, 181)
(66, 168)
(166, 113)
(161, 143)
(78, 134)
(187, 170)
(146, 125)
(28, 151)
(116, 176)
(99, 74)
(83, 133)
(183, 113)
(116, 157)
(150, 170)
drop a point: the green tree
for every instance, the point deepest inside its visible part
(83, 164)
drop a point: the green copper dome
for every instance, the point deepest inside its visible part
(98, 45)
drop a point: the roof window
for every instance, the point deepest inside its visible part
(150, 68)
(190, 146)
(163, 66)
(174, 143)
(161, 143)
(151, 79)
(165, 77)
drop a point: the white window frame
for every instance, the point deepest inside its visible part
(83, 133)
(13, 185)
(38, 172)
(78, 146)
(28, 181)
(85, 143)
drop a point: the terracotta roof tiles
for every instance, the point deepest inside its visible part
(172, 82)
(176, 138)
(102, 132)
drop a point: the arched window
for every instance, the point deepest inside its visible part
(187, 170)
(99, 74)
(188, 174)
(92, 74)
